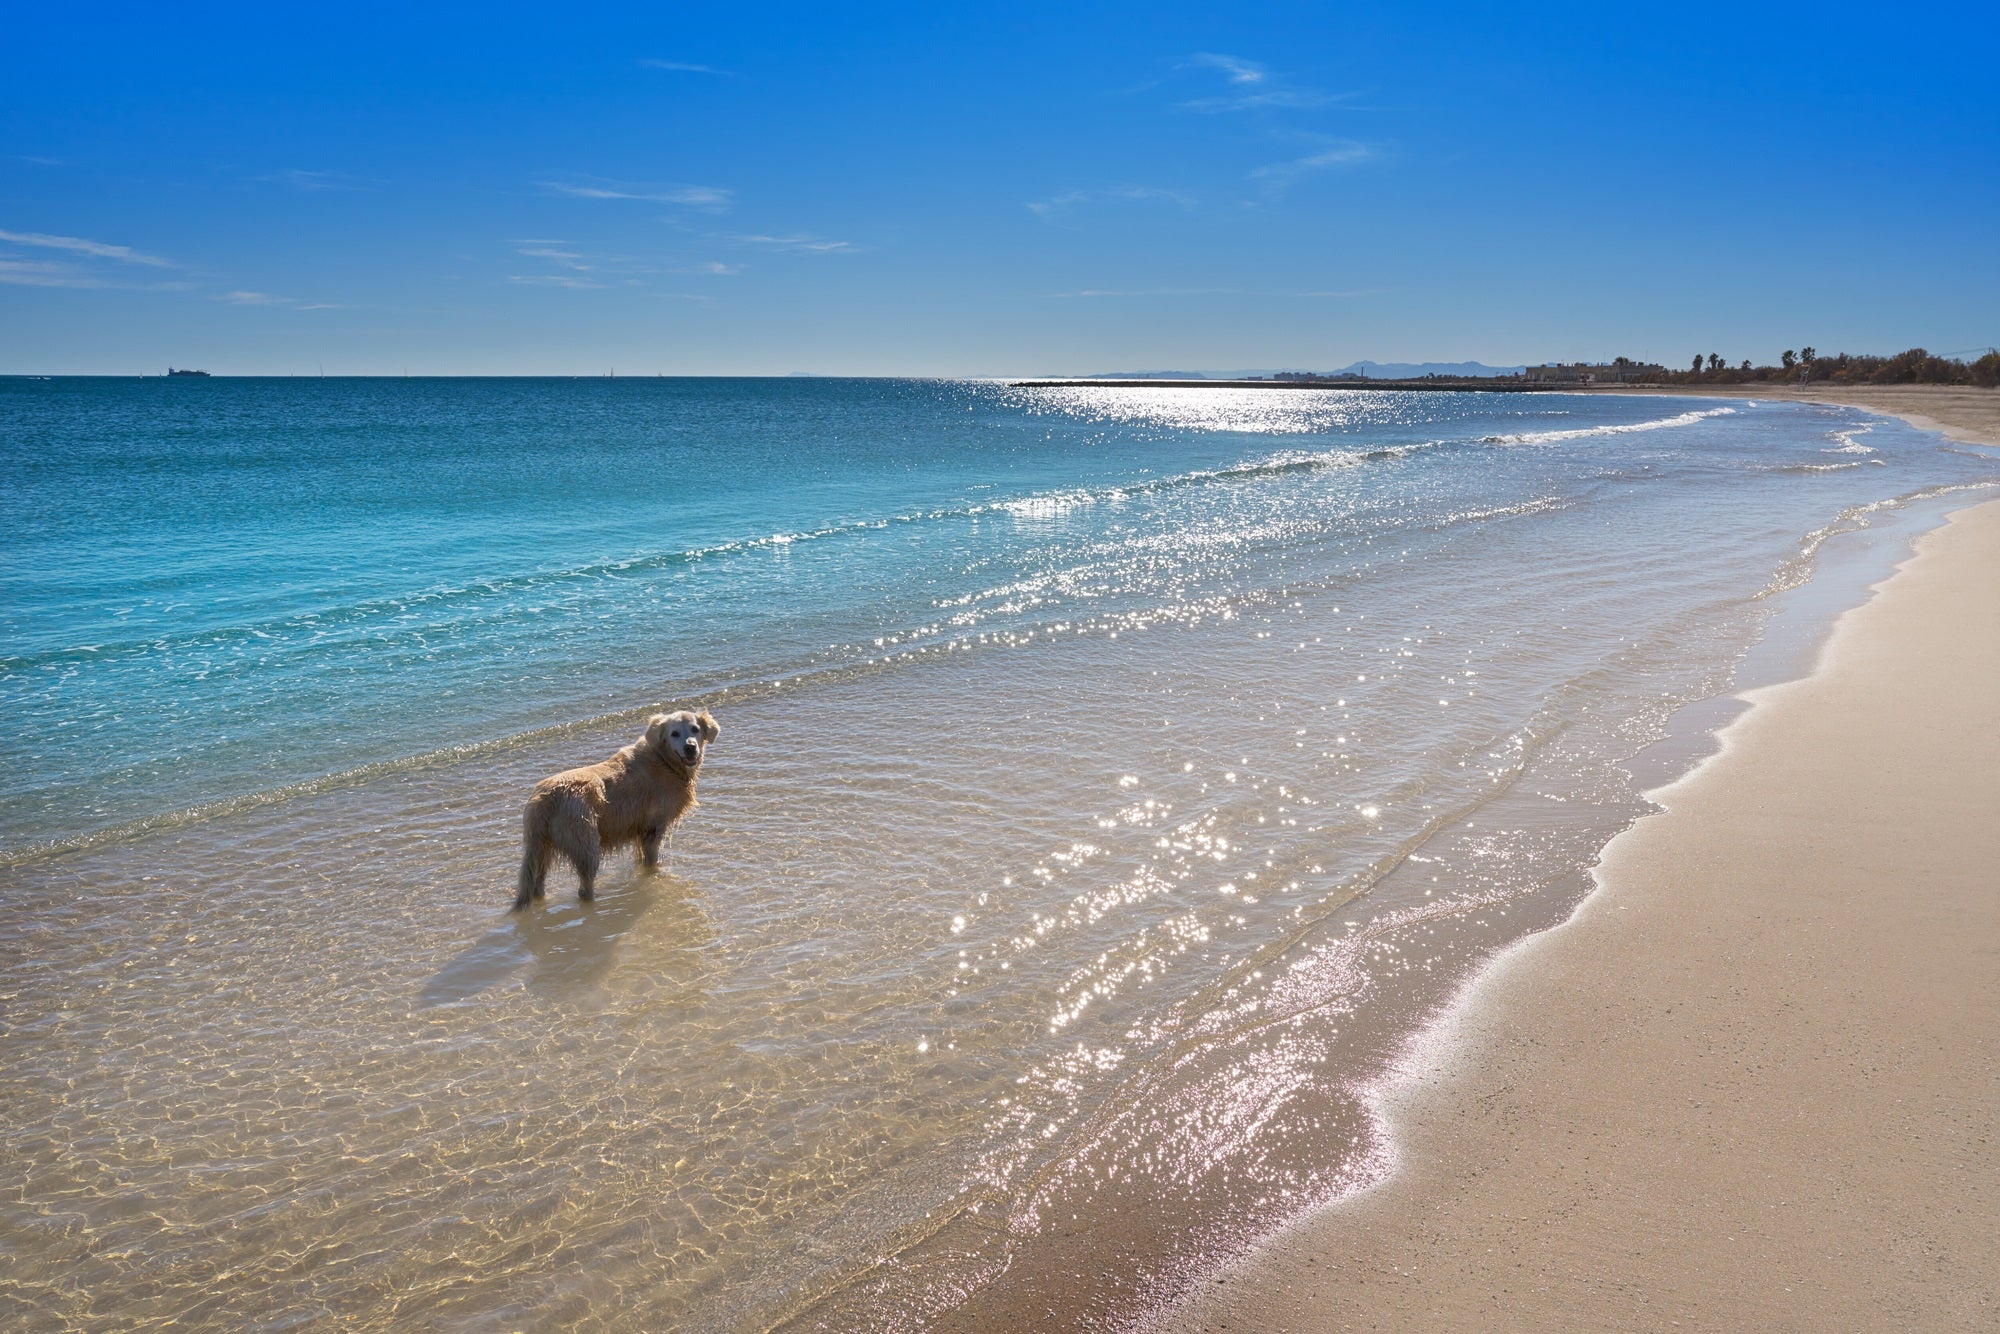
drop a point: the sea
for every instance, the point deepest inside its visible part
(1112, 784)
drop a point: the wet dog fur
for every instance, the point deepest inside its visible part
(633, 797)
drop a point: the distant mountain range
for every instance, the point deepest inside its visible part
(1374, 370)
(1407, 370)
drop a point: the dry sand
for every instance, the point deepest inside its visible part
(1752, 1084)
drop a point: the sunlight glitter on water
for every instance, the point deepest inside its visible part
(1086, 864)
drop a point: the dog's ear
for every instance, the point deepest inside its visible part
(710, 729)
(656, 728)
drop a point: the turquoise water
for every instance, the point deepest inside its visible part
(1109, 780)
(226, 587)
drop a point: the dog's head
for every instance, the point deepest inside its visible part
(683, 736)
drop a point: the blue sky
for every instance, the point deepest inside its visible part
(938, 190)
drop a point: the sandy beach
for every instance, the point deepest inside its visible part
(1316, 725)
(1750, 1084)
(1018, 971)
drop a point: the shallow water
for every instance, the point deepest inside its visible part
(1109, 780)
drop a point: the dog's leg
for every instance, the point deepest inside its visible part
(579, 843)
(649, 846)
(576, 835)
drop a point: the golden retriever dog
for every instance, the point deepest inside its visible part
(633, 797)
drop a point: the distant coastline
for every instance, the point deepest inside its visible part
(1806, 371)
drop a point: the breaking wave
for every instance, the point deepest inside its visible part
(1584, 432)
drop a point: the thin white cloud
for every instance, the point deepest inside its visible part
(1236, 68)
(42, 273)
(313, 181)
(89, 269)
(1149, 291)
(1253, 87)
(1102, 292)
(1054, 204)
(79, 246)
(709, 198)
(241, 298)
(1279, 177)
(552, 280)
(680, 66)
(83, 263)
(1292, 99)
(569, 265)
(718, 268)
(568, 259)
(803, 244)
(1058, 206)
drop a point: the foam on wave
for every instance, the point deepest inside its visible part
(1584, 432)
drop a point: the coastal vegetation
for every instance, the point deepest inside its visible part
(1794, 367)
(1807, 365)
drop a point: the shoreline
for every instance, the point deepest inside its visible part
(766, 1050)
(1748, 1082)
(1964, 413)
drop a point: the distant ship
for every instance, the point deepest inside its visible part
(172, 371)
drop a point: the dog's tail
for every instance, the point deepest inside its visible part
(537, 851)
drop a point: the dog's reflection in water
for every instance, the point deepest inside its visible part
(573, 946)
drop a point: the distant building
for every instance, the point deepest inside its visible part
(1620, 371)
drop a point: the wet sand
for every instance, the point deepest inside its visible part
(1961, 412)
(1751, 1084)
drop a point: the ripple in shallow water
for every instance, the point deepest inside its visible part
(1019, 935)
